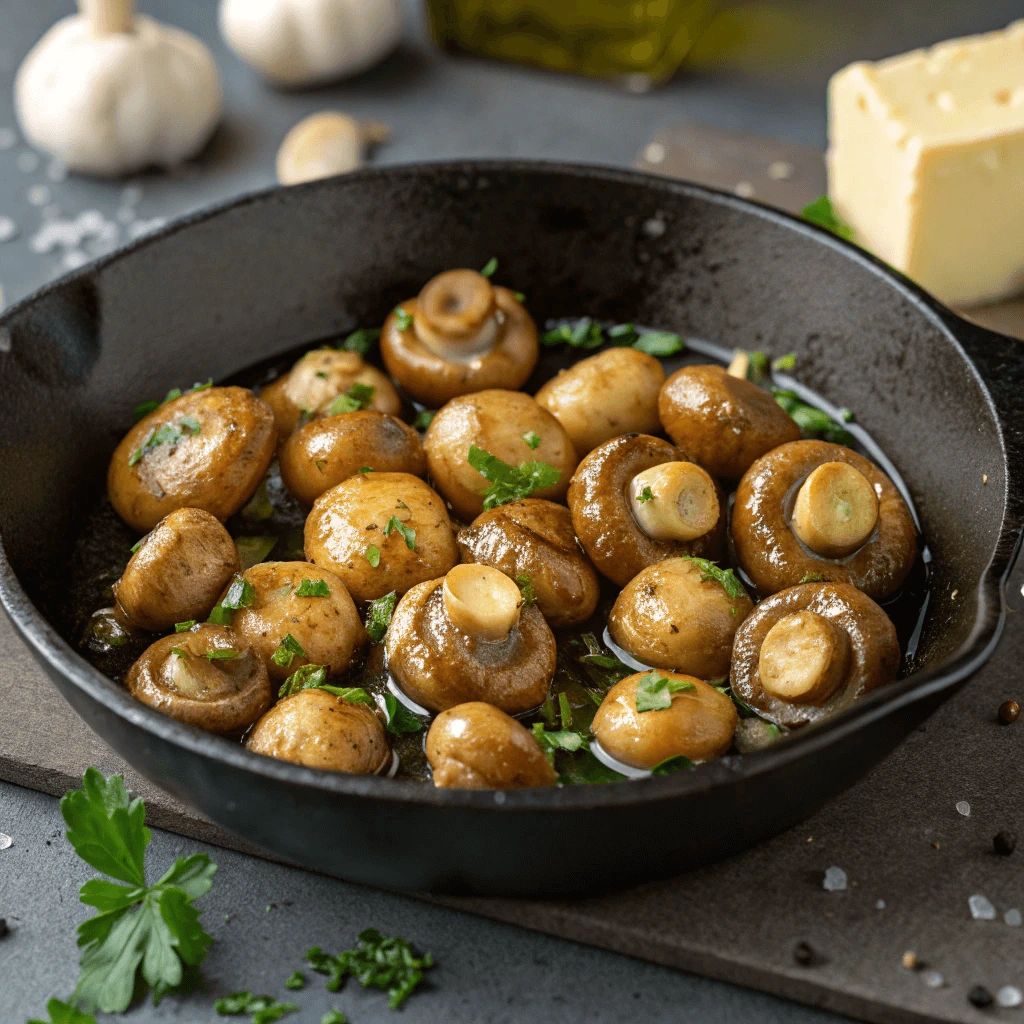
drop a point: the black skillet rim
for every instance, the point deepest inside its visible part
(61, 658)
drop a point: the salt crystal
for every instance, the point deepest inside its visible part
(880, 905)
(57, 170)
(1013, 918)
(28, 162)
(91, 221)
(981, 909)
(835, 880)
(38, 195)
(744, 190)
(131, 195)
(5, 841)
(654, 228)
(654, 153)
(933, 979)
(74, 259)
(964, 808)
(1009, 996)
(780, 170)
(139, 228)
(8, 229)
(8, 138)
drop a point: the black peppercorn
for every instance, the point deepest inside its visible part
(4, 930)
(1009, 711)
(803, 954)
(980, 997)
(1004, 843)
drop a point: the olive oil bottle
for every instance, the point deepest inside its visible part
(639, 42)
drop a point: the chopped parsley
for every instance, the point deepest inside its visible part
(811, 421)
(812, 577)
(358, 396)
(138, 544)
(671, 765)
(622, 334)
(264, 1009)
(564, 710)
(519, 297)
(220, 616)
(179, 652)
(253, 550)
(532, 439)
(334, 1017)
(313, 588)
(654, 692)
(259, 506)
(709, 571)
(373, 555)
(143, 409)
(786, 362)
(822, 213)
(424, 419)
(166, 434)
(561, 739)
(525, 585)
(287, 651)
(645, 496)
(509, 483)
(241, 594)
(379, 616)
(659, 343)
(309, 677)
(393, 524)
(584, 334)
(403, 320)
(184, 627)
(361, 340)
(490, 267)
(353, 694)
(221, 654)
(758, 368)
(190, 425)
(296, 980)
(364, 469)
(401, 720)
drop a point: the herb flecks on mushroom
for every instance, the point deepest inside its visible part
(482, 602)
(836, 510)
(674, 501)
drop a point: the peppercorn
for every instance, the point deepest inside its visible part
(1009, 712)
(1004, 843)
(980, 997)
(803, 954)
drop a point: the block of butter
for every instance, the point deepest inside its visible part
(926, 163)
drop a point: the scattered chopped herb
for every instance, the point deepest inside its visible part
(334, 1017)
(509, 483)
(532, 439)
(490, 267)
(811, 421)
(143, 409)
(394, 523)
(220, 616)
(742, 706)
(519, 296)
(191, 425)
(583, 769)
(379, 616)
(184, 627)
(165, 434)
(659, 343)
(179, 652)
(727, 578)
(622, 334)
(264, 1009)
(845, 415)
(221, 654)
(241, 594)
(309, 677)
(138, 544)
(313, 588)
(812, 577)
(365, 469)
(373, 555)
(287, 650)
(679, 763)
(645, 496)
(258, 506)
(401, 720)
(253, 550)
(358, 396)
(319, 463)
(654, 692)
(63, 1013)
(424, 419)
(564, 710)
(322, 374)
(296, 980)
(353, 694)
(584, 334)
(786, 362)
(403, 320)
(153, 927)
(525, 585)
(758, 366)
(561, 739)
(361, 340)
(822, 213)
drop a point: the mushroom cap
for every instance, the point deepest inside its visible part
(223, 696)
(604, 522)
(699, 724)
(432, 379)
(215, 468)
(770, 553)
(478, 746)
(327, 451)
(612, 393)
(316, 729)
(328, 629)
(724, 422)
(178, 572)
(667, 617)
(439, 667)
(495, 421)
(320, 377)
(874, 657)
(349, 518)
(535, 538)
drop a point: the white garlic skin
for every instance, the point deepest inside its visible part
(309, 42)
(113, 104)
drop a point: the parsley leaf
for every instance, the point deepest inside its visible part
(400, 719)
(659, 343)
(334, 1017)
(313, 588)
(153, 928)
(490, 267)
(507, 482)
(645, 496)
(813, 422)
(358, 396)
(219, 615)
(221, 654)
(585, 334)
(786, 362)
(296, 980)
(286, 652)
(812, 577)
(379, 617)
(525, 585)
(241, 594)
(564, 710)
(671, 765)
(394, 523)
(166, 434)
(361, 340)
(63, 1013)
(654, 692)
(309, 677)
(532, 439)
(403, 320)
(710, 571)
(184, 627)
(373, 555)
(622, 334)
(822, 213)
(561, 739)
(424, 419)
(253, 550)
(353, 694)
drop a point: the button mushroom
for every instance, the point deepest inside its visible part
(612, 393)
(380, 532)
(461, 334)
(636, 500)
(510, 426)
(325, 452)
(681, 614)
(649, 717)
(812, 509)
(533, 542)
(724, 422)
(208, 677)
(809, 652)
(478, 746)
(326, 382)
(468, 637)
(319, 730)
(295, 614)
(178, 571)
(208, 449)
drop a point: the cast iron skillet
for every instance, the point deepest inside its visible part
(234, 286)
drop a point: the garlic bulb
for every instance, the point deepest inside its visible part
(109, 93)
(325, 144)
(306, 42)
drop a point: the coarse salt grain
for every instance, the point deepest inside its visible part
(1009, 996)
(145, 227)
(981, 908)
(835, 880)
(654, 153)
(8, 229)
(744, 190)
(880, 905)
(5, 841)
(964, 808)
(654, 228)
(933, 979)
(1013, 918)
(74, 259)
(780, 170)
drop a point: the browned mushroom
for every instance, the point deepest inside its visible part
(507, 424)
(208, 677)
(811, 509)
(325, 452)
(322, 377)
(208, 449)
(379, 532)
(636, 500)
(468, 637)
(533, 542)
(677, 615)
(810, 651)
(178, 570)
(698, 723)
(722, 421)
(612, 393)
(461, 334)
(319, 730)
(478, 746)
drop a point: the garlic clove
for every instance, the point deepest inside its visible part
(323, 145)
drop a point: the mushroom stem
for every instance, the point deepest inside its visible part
(674, 501)
(108, 17)
(804, 658)
(740, 365)
(836, 510)
(482, 601)
(457, 314)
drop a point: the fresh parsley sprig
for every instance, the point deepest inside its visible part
(654, 691)
(379, 616)
(709, 571)
(510, 483)
(560, 739)
(306, 678)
